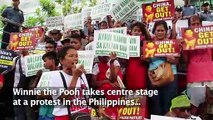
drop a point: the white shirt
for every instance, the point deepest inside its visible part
(17, 72)
(57, 83)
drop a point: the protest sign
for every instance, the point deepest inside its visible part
(73, 21)
(100, 11)
(86, 58)
(86, 12)
(20, 41)
(134, 46)
(124, 9)
(90, 46)
(158, 11)
(55, 22)
(6, 59)
(121, 30)
(161, 48)
(44, 80)
(136, 112)
(33, 63)
(38, 31)
(107, 42)
(197, 38)
(207, 23)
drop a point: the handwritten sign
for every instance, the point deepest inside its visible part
(100, 11)
(158, 11)
(34, 63)
(136, 112)
(107, 42)
(73, 21)
(55, 22)
(161, 48)
(198, 38)
(6, 59)
(20, 41)
(121, 30)
(86, 59)
(124, 9)
(134, 46)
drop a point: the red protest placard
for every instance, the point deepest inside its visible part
(137, 112)
(197, 38)
(158, 11)
(161, 48)
(20, 41)
(38, 31)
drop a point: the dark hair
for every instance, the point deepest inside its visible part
(63, 52)
(52, 42)
(51, 55)
(161, 22)
(76, 36)
(82, 34)
(142, 28)
(194, 17)
(46, 38)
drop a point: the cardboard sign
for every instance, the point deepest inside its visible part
(107, 42)
(6, 59)
(90, 46)
(198, 38)
(86, 12)
(86, 59)
(133, 112)
(55, 22)
(158, 11)
(100, 11)
(124, 9)
(33, 63)
(161, 48)
(73, 21)
(134, 46)
(121, 30)
(20, 41)
(44, 80)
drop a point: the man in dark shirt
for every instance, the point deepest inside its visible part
(15, 15)
(206, 14)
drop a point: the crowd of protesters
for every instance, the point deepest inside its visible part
(61, 58)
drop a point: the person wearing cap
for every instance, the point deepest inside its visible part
(56, 36)
(178, 12)
(66, 41)
(206, 14)
(14, 14)
(179, 107)
(188, 10)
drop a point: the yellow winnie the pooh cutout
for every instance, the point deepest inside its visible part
(14, 42)
(149, 14)
(150, 50)
(189, 39)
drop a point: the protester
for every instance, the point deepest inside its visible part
(76, 41)
(50, 46)
(188, 9)
(56, 36)
(15, 15)
(160, 104)
(199, 70)
(66, 41)
(73, 77)
(103, 25)
(206, 14)
(89, 28)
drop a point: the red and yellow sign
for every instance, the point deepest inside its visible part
(38, 31)
(161, 48)
(158, 11)
(137, 112)
(197, 38)
(20, 41)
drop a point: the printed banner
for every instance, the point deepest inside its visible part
(6, 59)
(90, 46)
(124, 9)
(20, 41)
(33, 63)
(55, 22)
(86, 59)
(121, 30)
(134, 112)
(158, 11)
(198, 38)
(134, 46)
(107, 42)
(73, 21)
(38, 31)
(44, 80)
(161, 48)
(100, 11)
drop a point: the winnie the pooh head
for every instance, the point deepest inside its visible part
(189, 33)
(148, 8)
(150, 45)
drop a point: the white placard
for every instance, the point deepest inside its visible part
(73, 21)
